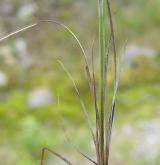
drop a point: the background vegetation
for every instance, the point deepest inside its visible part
(28, 63)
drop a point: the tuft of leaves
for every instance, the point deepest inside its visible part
(103, 115)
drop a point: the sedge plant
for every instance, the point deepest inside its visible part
(103, 113)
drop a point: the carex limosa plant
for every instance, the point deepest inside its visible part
(103, 113)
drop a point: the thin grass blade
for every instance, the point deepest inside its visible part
(95, 105)
(106, 155)
(80, 152)
(80, 45)
(17, 31)
(56, 154)
(113, 37)
(87, 157)
(62, 25)
(68, 140)
(111, 119)
(54, 22)
(81, 101)
(115, 77)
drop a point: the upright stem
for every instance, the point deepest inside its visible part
(113, 39)
(102, 53)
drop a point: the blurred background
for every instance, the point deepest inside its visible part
(38, 105)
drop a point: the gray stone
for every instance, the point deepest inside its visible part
(147, 146)
(3, 79)
(144, 138)
(133, 50)
(26, 10)
(40, 97)
(21, 48)
(7, 55)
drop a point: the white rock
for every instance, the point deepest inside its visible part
(3, 79)
(143, 140)
(127, 130)
(7, 55)
(147, 145)
(135, 50)
(23, 54)
(26, 10)
(40, 97)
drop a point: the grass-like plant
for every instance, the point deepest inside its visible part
(103, 114)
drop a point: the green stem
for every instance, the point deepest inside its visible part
(102, 53)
